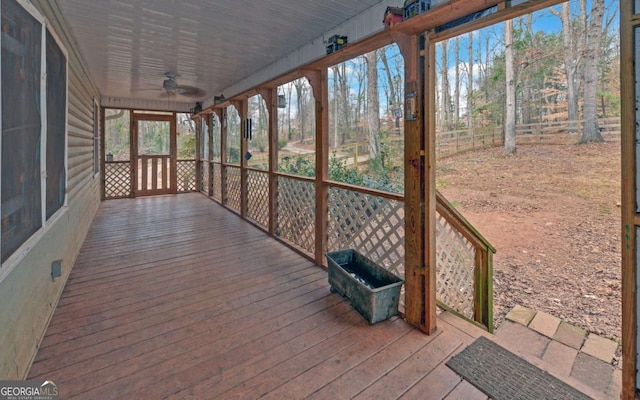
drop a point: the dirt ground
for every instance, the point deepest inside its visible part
(553, 214)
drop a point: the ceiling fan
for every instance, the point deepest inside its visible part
(171, 87)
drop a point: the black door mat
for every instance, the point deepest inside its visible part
(502, 375)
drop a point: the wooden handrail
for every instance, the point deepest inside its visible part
(364, 190)
(117, 162)
(455, 218)
(295, 177)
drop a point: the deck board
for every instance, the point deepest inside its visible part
(176, 297)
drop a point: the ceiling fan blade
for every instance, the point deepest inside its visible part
(190, 91)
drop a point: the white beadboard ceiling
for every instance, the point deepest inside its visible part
(130, 45)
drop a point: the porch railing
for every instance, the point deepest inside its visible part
(258, 197)
(295, 211)
(464, 266)
(371, 222)
(186, 176)
(117, 179)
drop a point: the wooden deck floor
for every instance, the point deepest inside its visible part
(176, 297)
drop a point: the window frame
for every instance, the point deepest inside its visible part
(18, 255)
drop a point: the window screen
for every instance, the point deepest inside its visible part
(56, 114)
(21, 126)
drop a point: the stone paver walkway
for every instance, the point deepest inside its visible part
(563, 349)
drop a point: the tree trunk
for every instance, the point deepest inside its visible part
(510, 110)
(525, 75)
(470, 84)
(335, 106)
(393, 100)
(456, 95)
(373, 106)
(344, 97)
(446, 101)
(571, 62)
(299, 85)
(289, 113)
(590, 128)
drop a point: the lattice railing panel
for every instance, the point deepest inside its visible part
(186, 176)
(216, 183)
(204, 175)
(233, 188)
(455, 266)
(295, 219)
(372, 225)
(258, 197)
(117, 180)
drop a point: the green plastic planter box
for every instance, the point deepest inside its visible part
(372, 290)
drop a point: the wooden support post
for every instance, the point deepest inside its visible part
(198, 156)
(223, 154)
(103, 155)
(209, 118)
(270, 97)
(243, 107)
(420, 299)
(133, 156)
(628, 96)
(174, 154)
(318, 80)
(428, 79)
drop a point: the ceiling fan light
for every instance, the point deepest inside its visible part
(169, 85)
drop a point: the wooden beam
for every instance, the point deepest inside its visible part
(199, 136)
(218, 113)
(243, 109)
(209, 118)
(223, 155)
(319, 83)
(174, 154)
(270, 97)
(103, 154)
(428, 70)
(133, 155)
(629, 216)
(442, 14)
(419, 299)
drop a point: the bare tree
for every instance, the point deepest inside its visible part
(571, 60)
(289, 90)
(456, 95)
(525, 73)
(373, 105)
(299, 84)
(591, 129)
(393, 99)
(446, 100)
(360, 69)
(470, 83)
(510, 110)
